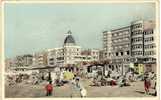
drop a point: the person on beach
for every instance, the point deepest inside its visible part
(77, 88)
(49, 89)
(147, 84)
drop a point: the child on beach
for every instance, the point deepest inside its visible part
(49, 89)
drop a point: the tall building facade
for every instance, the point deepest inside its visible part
(107, 44)
(131, 44)
(143, 43)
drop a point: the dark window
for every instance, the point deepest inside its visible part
(116, 53)
(121, 53)
(144, 33)
(105, 53)
(152, 31)
(51, 59)
(127, 52)
(110, 66)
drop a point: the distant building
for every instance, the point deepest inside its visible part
(9, 64)
(28, 60)
(40, 59)
(19, 63)
(55, 57)
(90, 55)
(51, 57)
(101, 55)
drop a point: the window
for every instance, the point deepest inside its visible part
(144, 33)
(132, 40)
(151, 31)
(51, 63)
(116, 53)
(148, 32)
(51, 59)
(121, 53)
(127, 52)
(105, 53)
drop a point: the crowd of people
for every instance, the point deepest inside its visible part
(111, 79)
(74, 81)
(125, 80)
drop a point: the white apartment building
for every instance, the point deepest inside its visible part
(107, 44)
(135, 43)
(40, 59)
(120, 49)
(150, 40)
(143, 39)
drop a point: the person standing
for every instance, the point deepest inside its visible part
(49, 89)
(76, 88)
(155, 89)
(147, 84)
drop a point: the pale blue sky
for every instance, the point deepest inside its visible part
(35, 27)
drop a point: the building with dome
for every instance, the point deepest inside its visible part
(70, 53)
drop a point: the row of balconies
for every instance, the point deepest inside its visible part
(150, 46)
(121, 33)
(150, 52)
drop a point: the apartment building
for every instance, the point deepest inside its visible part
(135, 43)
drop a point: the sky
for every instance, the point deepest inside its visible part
(31, 28)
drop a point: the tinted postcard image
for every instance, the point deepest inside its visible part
(80, 50)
